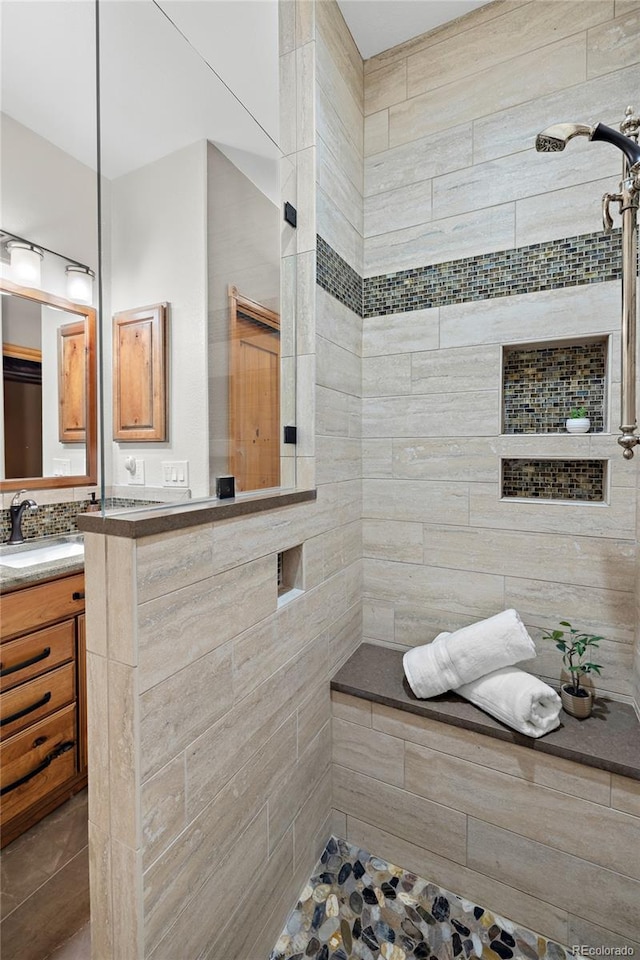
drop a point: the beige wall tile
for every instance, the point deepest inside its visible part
(543, 917)
(537, 812)
(418, 160)
(311, 826)
(212, 835)
(332, 181)
(568, 881)
(407, 206)
(121, 590)
(519, 31)
(386, 376)
(385, 86)
(393, 540)
(296, 785)
(353, 709)
(577, 311)
(305, 100)
(334, 135)
(456, 370)
(363, 750)
(345, 636)
(430, 825)
(449, 238)
(163, 809)
(100, 890)
(583, 933)
(219, 753)
(251, 917)
(340, 92)
(337, 368)
(176, 629)
(378, 620)
(552, 67)
(98, 740)
(128, 921)
(444, 458)
(376, 458)
(618, 40)
(582, 560)
(376, 132)
(338, 324)
(313, 714)
(440, 417)
(95, 570)
(420, 622)
(124, 754)
(338, 458)
(253, 651)
(466, 593)
(560, 213)
(168, 721)
(338, 824)
(400, 333)
(336, 229)
(307, 226)
(197, 924)
(164, 564)
(564, 775)
(340, 45)
(625, 794)
(415, 501)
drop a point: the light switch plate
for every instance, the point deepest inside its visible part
(175, 473)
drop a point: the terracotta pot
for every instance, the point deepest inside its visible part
(579, 707)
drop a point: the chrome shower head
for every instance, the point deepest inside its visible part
(555, 138)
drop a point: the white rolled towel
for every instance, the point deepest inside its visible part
(466, 654)
(518, 699)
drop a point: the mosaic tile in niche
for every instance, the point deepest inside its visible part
(386, 912)
(582, 480)
(541, 385)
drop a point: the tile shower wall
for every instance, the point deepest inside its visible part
(210, 797)
(423, 794)
(453, 182)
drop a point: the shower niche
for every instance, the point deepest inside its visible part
(542, 382)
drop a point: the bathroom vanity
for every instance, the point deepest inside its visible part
(43, 747)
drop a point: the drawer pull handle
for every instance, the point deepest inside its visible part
(77, 595)
(23, 713)
(25, 663)
(59, 750)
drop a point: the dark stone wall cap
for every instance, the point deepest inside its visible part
(609, 739)
(149, 521)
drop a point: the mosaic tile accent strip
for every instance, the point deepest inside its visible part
(57, 519)
(339, 279)
(357, 905)
(541, 385)
(570, 262)
(554, 479)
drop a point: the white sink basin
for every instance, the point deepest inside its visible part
(53, 551)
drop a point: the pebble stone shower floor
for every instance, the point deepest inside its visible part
(359, 906)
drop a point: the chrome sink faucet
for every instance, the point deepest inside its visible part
(16, 511)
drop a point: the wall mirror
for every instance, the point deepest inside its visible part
(48, 404)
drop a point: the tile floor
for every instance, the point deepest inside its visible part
(44, 888)
(359, 906)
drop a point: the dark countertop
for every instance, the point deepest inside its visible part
(609, 739)
(135, 524)
(14, 578)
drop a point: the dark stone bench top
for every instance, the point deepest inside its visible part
(608, 739)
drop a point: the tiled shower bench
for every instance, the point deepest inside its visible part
(544, 832)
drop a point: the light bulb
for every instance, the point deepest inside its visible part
(25, 262)
(80, 283)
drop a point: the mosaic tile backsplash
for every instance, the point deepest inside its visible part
(357, 905)
(541, 386)
(568, 262)
(57, 519)
(554, 479)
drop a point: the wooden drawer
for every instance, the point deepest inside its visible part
(32, 655)
(34, 607)
(23, 705)
(43, 757)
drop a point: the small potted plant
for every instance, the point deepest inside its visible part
(577, 697)
(578, 421)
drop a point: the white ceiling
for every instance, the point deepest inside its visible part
(376, 25)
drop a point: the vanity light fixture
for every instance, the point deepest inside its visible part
(26, 260)
(80, 283)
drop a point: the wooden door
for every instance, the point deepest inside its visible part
(254, 394)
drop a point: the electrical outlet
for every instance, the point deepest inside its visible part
(175, 473)
(136, 475)
(61, 468)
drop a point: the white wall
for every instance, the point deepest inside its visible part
(158, 253)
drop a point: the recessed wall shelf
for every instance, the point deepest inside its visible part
(542, 383)
(290, 579)
(573, 480)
